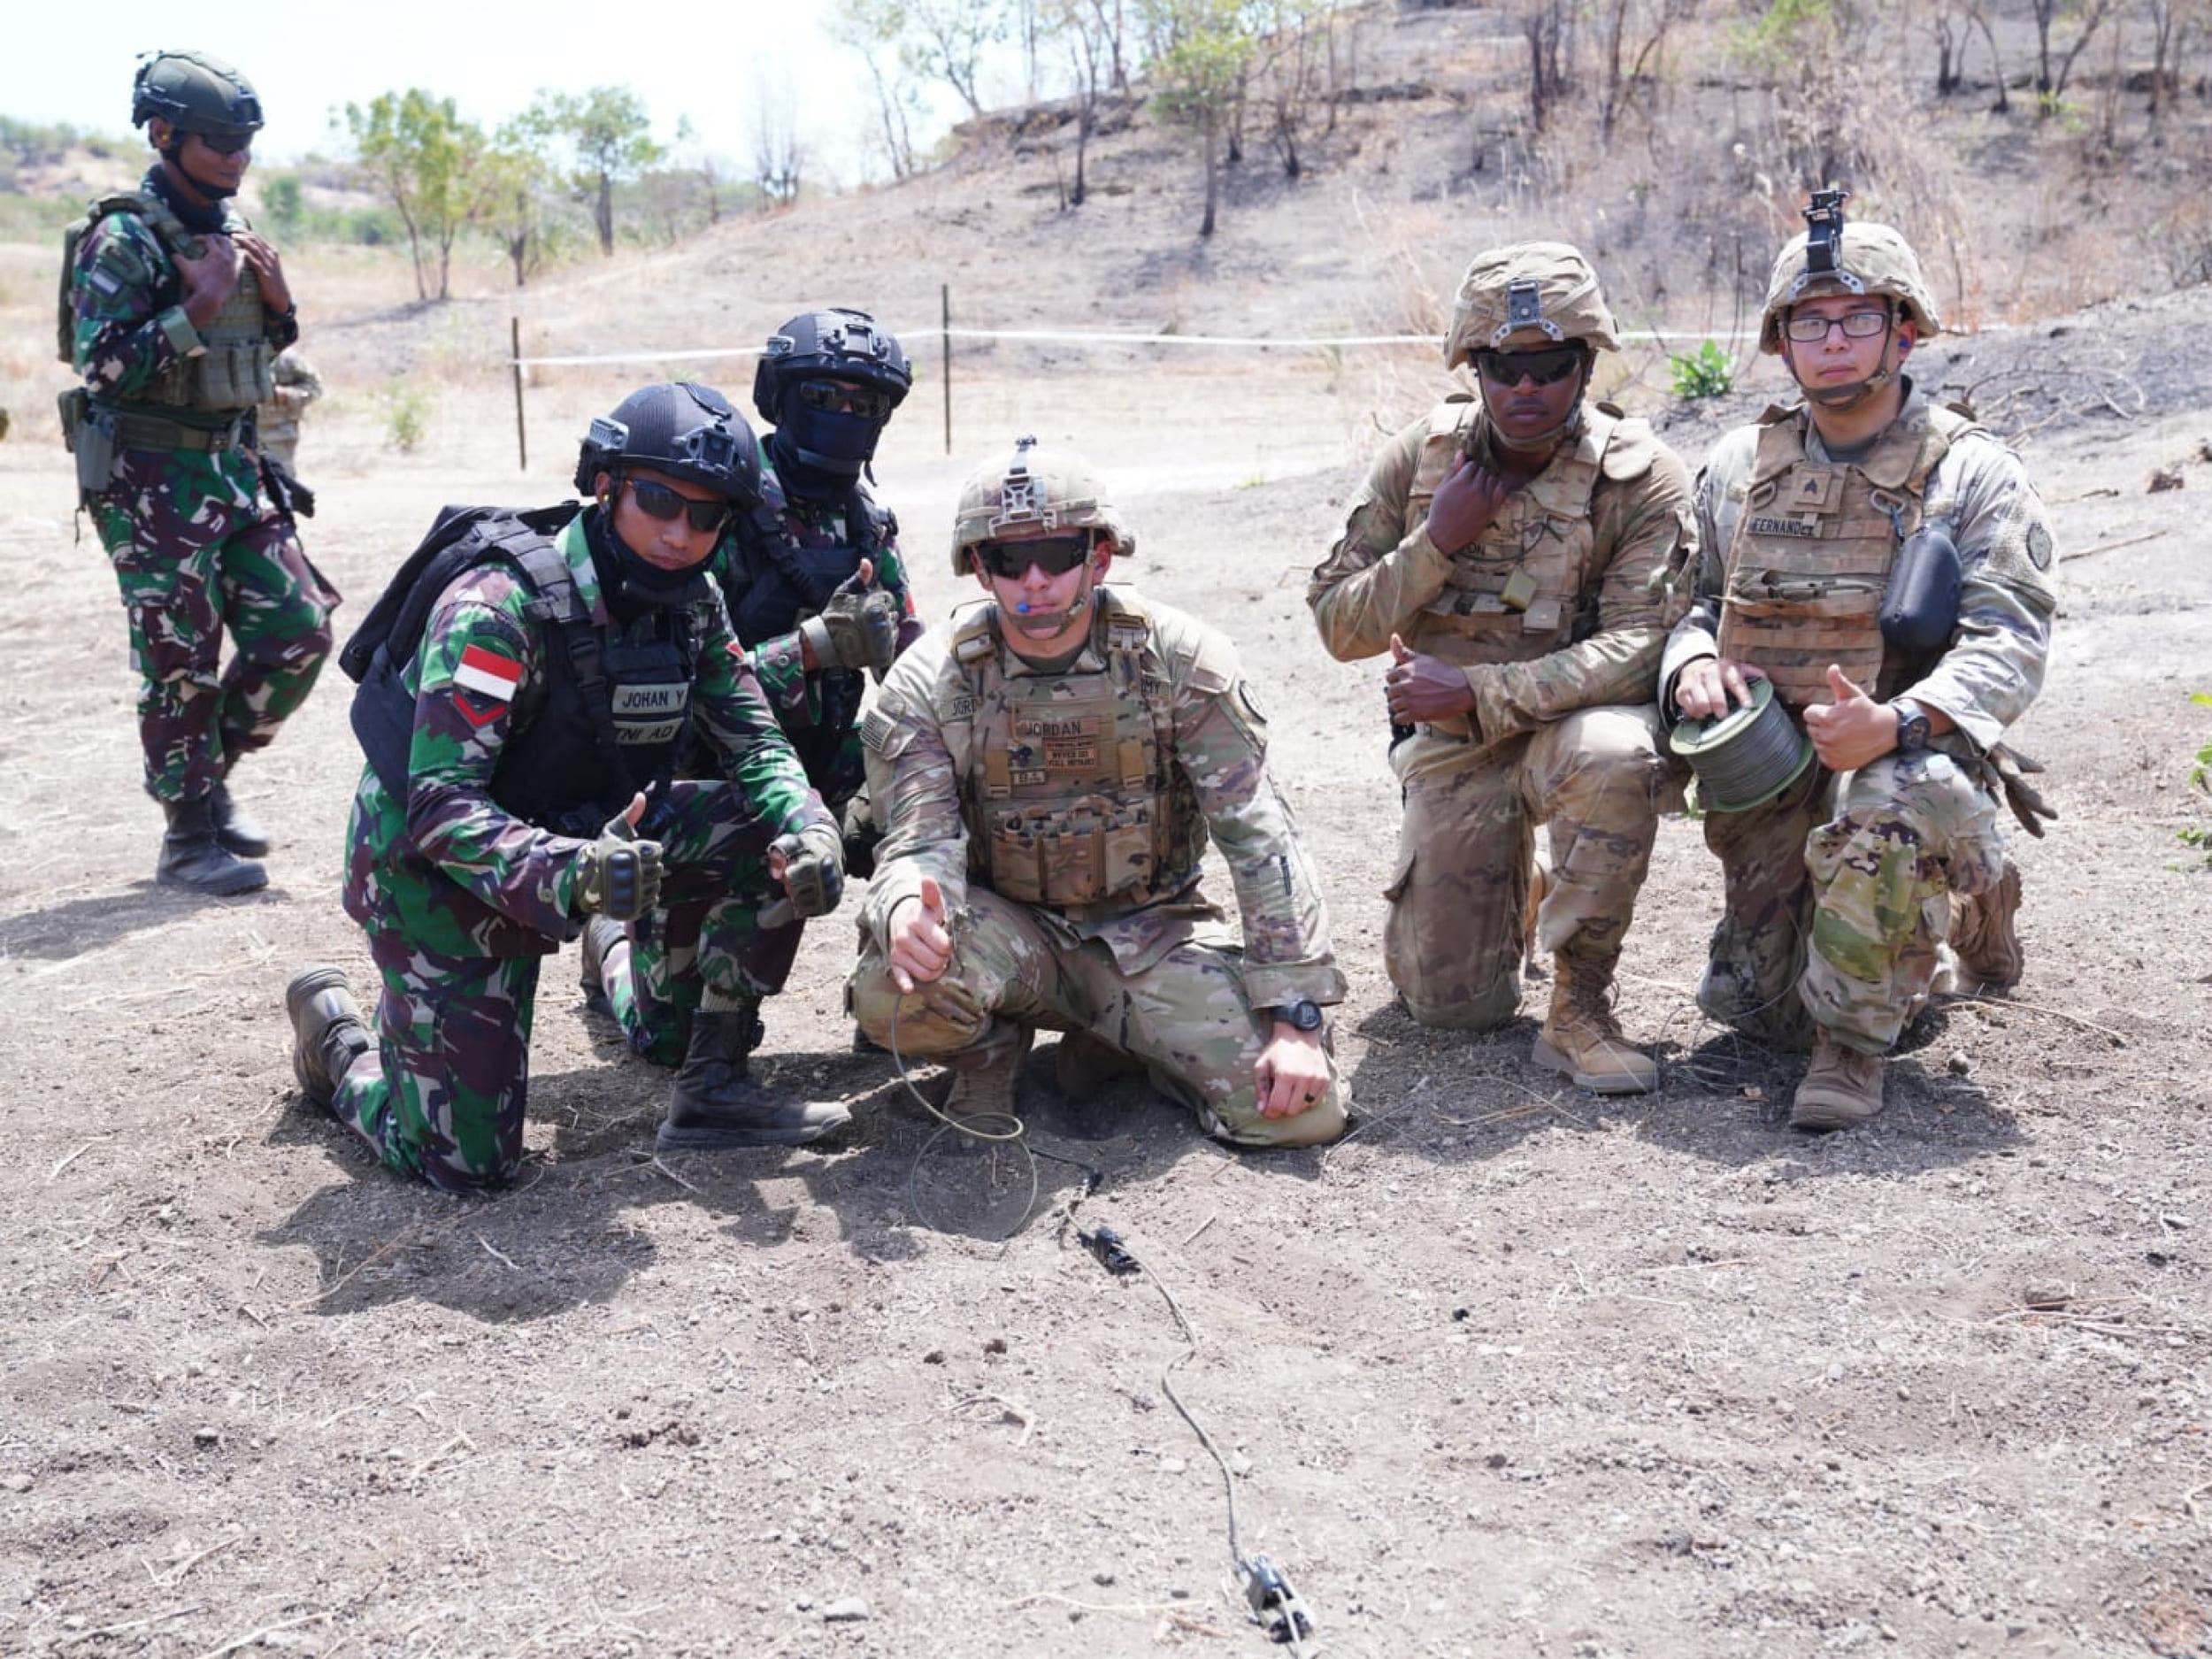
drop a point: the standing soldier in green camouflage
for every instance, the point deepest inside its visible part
(528, 683)
(173, 311)
(1049, 773)
(817, 597)
(1511, 553)
(1840, 892)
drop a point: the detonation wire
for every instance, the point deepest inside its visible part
(1275, 1605)
(1014, 1136)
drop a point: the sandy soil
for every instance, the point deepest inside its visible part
(1513, 1370)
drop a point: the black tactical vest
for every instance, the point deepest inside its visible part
(613, 712)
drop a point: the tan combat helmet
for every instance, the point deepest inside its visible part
(1033, 492)
(1829, 257)
(1527, 296)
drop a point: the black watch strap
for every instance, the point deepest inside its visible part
(1304, 1014)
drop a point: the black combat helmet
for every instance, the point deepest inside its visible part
(832, 434)
(684, 429)
(194, 93)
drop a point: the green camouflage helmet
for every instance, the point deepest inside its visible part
(194, 93)
(1873, 260)
(1032, 493)
(1526, 297)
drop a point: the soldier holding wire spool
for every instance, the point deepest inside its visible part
(1884, 565)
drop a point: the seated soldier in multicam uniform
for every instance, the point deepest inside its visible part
(1840, 891)
(527, 684)
(1048, 772)
(1511, 553)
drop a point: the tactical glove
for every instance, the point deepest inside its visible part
(2005, 771)
(813, 868)
(857, 628)
(619, 876)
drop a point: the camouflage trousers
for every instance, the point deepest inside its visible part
(1187, 1017)
(655, 981)
(1837, 895)
(446, 1100)
(197, 550)
(1596, 780)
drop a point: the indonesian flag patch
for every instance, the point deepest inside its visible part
(488, 675)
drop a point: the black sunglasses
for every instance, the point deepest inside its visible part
(657, 501)
(1546, 367)
(226, 144)
(1054, 555)
(864, 401)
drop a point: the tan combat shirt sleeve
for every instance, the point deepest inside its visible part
(1380, 573)
(914, 783)
(1221, 746)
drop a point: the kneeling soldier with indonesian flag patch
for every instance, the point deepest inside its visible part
(528, 683)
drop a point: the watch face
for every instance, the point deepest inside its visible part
(1306, 1016)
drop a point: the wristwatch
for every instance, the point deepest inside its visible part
(1304, 1014)
(1912, 728)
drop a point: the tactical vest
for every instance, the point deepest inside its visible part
(1811, 553)
(236, 372)
(774, 583)
(611, 716)
(1071, 796)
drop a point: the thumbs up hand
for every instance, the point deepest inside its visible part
(1853, 729)
(921, 945)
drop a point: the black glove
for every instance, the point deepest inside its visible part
(857, 628)
(620, 874)
(813, 873)
(2006, 771)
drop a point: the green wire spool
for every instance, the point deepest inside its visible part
(1746, 757)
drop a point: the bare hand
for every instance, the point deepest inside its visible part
(1292, 1073)
(921, 947)
(1853, 730)
(268, 270)
(1466, 501)
(1423, 687)
(209, 279)
(1706, 687)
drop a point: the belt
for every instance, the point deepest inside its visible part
(153, 432)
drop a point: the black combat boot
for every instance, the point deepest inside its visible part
(717, 1104)
(191, 857)
(329, 1033)
(236, 830)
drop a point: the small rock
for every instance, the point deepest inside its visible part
(850, 1610)
(1959, 1064)
(17, 1483)
(935, 1356)
(1104, 1576)
(1173, 1465)
(206, 1439)
(2045, 1297)
(2166, 478)
(996, 1345)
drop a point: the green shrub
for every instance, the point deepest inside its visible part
(406, 415)
(2198, 837)
(1706, 372)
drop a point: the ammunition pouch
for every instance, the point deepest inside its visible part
(88, 432)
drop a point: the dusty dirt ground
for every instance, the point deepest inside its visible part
(1511, 1370)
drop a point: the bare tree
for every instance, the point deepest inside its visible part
(1288, 72)
(2051, 86)
(1947, 22)
(1549, 28)
(1085, 28)
(778, 155)
(2170, 22)
(1635, 51)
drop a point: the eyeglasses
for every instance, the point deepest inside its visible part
(1811, 329)
(835, 397)
(1054, 555)
(1546, 368)
(657, 501)
(226, 144)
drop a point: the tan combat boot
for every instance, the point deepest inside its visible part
(1842, 1088)
(1580, 1036)
(1985, 931)
(983, 1078)
(1082, 1066)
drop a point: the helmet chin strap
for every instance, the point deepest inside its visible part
(1034, 619)
(1548, 439)
(1842, 399)
(174, 156)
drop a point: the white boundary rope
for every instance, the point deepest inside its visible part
(1090, 336)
